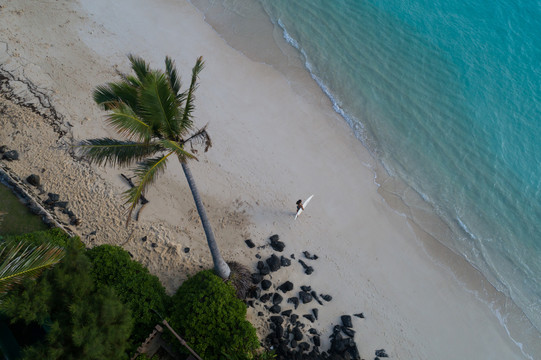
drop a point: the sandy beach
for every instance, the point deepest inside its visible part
(272, 144)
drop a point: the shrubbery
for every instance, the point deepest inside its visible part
(211, 319)
(53, 236)
(132, 282)
(82, 321)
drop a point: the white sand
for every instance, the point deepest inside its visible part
(271, 147)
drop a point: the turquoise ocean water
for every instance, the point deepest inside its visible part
(447, 95)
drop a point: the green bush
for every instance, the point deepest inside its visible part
(82, 321)
(211, 319)
(54, 236)
(132, 282)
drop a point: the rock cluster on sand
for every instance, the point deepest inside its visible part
(292, 335)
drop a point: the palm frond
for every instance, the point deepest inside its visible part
(201, 136)
(146, 173)
(19, 262)
(173, 77)
(116, 152)
(159, 106)
(139, 66)
(182, 154)
(109, 96)
(126, 122)
(186, 122)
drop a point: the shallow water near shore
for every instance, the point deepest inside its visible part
(446, 97)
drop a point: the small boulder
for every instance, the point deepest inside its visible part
(277, 298)
(297, 333)
(53, 197)
(249, 243)
(33, 180)
(381, 353)
(293, 318)
(260, 265)
(285, 261)
(285, 287)
(306, 288)
(314, 295)
(346, 321)
(11, 155)
(273, 262)
(266, 284)
(309, 317)
(315, 312)
(264, 298)
(275, 309)
(326, 297)
(359, 315)
(286, 312)
(276, 244)
(256, 278)
(294, 301)
(316, 340)
(186, 250)
(278, 320)
(305, 297)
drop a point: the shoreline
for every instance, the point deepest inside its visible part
(401, 198)
(249, 187)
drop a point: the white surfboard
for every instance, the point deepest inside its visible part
(304, 205)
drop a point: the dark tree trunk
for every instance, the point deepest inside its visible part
(220, 266)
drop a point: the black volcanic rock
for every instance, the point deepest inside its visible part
(256, 278)
(294, 301)
(285, 287)
(249, 243)
(305, 297)
(273, 262)
(346, 321)
(287, 312)
(326, 297)
(275, 309)
(309, 317)
(33, 180)
(381, 353)
(284, 261)
(314, 295)
(277, 298)
(297, 333)
(266, 284)
(276, 244)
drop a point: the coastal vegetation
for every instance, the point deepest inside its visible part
(101, 304)
(212, 319)
(156, 116)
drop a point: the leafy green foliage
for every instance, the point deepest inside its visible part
(53, 236)
(211, 319)
(82, 320)
(132, 282)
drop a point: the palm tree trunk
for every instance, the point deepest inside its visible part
(220, 266)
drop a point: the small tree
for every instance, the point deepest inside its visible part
(211, 319)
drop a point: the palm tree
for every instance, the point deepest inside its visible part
(19, 262)
(157, 118)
